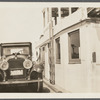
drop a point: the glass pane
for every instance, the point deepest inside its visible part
(74, 9)
(64, 12)
(11, 50)
(75, 44)
(58, 56)
(54, 12)
(93, 12)
(44, 19)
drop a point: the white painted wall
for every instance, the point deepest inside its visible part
(95, 47)
(74, 77)
(84, 77)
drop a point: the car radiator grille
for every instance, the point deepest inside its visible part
(16, 69)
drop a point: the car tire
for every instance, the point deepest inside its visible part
(0, 88)
(33, 87)
(40, 87)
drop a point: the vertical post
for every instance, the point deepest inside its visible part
(51, 63)
(59, 13)
(52, 54)
(69, 10)
(4, 76)
(84, 13)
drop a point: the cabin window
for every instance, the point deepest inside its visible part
(36, 53)
(64, 12)
(58, 54)
(40, 54)
(44, 19)
(55, 14)
(93, 12)
(74, 47)
(47, 14)
(43, 48)
(94, 57)
(73, 9)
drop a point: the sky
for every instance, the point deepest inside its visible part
(20, 22)
(23, 21)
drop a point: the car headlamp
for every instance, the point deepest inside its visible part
(38, 68)
(27, 64)
(4, 65)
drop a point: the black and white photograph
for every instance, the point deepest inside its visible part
(49, 48)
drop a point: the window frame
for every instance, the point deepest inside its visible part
(71, 60)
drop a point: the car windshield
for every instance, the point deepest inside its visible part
(12, 50)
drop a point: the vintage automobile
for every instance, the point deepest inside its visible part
(17, 68)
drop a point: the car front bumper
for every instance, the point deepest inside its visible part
(22, 86)
(20, 82)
